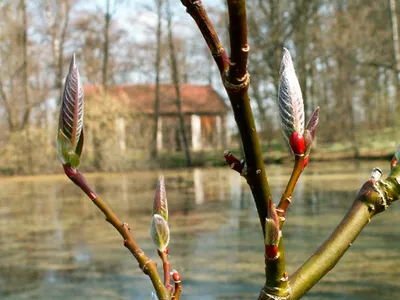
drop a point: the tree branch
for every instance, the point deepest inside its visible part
(236, 81)
(196, 9)
(6, 102)
(373, 198)
(238, 41)
(146, 264)
(286, 198)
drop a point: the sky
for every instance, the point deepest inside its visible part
(135, 15)
(139, 20)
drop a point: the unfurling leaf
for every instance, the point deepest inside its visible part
(160, 204)
(159, 231)
(70, 126)
(273, 233)
(311, 129)
(290, 102)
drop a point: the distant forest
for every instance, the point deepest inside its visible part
(346, 54)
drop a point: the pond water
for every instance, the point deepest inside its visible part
(54, 244)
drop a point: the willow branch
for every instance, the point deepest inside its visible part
(166, 267)
(146, 264)
(236, 81)
(276, 284)
(373, 198)
(238, 40)
(286, 198)
(178, 287)
(196, 9)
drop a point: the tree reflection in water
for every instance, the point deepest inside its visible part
(55, 245)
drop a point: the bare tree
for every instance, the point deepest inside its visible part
(396, 48)
(57, 19)
(107, 20)
(154, 149)
(175, 78)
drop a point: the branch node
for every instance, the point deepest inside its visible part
(219, 51)
(145, 267)
(284, 277)
(269, 294)
(246, 48)
(371, 207)
(126, 225)
(191, 5)
(242, 83)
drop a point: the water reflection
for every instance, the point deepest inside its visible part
(54, 244)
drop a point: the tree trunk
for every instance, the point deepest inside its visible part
(27, 112)
(60, 55)
(107, 19)
(154, 149)
(175, 78)
(396, 48)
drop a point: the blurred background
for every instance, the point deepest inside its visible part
(344, 52)
(55, 245)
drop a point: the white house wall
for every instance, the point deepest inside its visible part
(196, 132)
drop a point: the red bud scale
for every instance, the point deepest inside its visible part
(271, 251)
(297, 143)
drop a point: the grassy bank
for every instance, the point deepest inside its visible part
(380, 145)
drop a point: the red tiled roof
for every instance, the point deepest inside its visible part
(140, 98)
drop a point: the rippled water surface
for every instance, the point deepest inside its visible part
(54, 244)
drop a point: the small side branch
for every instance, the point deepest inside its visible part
(233, 162)
(286, 198)
(166, 267)
(178, 287)
(196, 10)
(146, 264)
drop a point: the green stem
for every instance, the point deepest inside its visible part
(276, 284)
(146, 264)
(236, 82)
(327, 256)
(286, 198)
(166, 267)
(374, 197)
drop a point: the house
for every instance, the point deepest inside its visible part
(205, 114)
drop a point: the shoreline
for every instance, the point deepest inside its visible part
(205, 160)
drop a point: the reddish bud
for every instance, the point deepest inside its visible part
(176, 277)
(233, 162)
(393, 162)
(271, 251)
(297, 143)
(396, 158)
